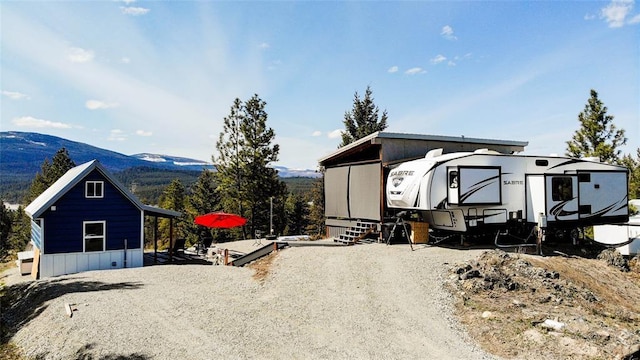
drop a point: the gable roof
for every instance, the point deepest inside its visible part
(72, 177)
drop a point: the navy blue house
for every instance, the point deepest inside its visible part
(87, 220)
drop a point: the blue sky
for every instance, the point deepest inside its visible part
(160, 76)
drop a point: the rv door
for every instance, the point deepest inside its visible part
(561, 194)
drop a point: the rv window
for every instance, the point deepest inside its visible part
(584, 177)
(562, 188)
(453, 179)
(540, 162)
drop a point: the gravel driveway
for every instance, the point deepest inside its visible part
(359, 302)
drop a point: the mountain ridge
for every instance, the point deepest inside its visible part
(22, 154)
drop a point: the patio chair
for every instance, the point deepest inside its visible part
(178, 246)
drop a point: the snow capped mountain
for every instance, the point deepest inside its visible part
(22, 153)
(174, 160)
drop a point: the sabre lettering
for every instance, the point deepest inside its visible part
(513, 182)
(402, 173)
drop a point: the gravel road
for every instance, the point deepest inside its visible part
(359, 302)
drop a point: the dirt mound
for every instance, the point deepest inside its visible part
(530, 307)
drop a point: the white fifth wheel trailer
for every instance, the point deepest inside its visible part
(486, 192)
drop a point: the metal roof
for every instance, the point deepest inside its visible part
(405, 136)
(72, 177)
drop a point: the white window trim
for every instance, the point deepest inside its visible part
(86, 189)
(84, 234)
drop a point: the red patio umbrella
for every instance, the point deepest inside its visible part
(220, 220)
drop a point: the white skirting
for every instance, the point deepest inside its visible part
(71, 263)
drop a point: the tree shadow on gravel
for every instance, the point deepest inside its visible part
(20, 303)
(85, 353)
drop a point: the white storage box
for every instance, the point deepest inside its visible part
(25, 262)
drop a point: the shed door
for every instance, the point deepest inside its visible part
(336, 181)
(364, 191)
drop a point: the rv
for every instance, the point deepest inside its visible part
(485, 192)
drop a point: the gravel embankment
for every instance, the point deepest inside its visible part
(358, 302)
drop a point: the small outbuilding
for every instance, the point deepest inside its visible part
(355, 175)
(88, 220)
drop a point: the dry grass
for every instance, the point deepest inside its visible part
(8, 350)
(262, 266)
(598, 305)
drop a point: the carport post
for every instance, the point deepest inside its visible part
(155, 239)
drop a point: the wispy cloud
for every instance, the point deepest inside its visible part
(393, 69)
(14, 95)
(615, 14)
(125, 60)
(79, 55)
(31, 122)
(316, 133)
(457, 58)
(117, 135)
(335, 134)
(99, 105)
(264, 45)
(143, 133)
(415, 71)
(134, 11)
(447, 33)
(438, 59)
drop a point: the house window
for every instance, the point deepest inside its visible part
(94, 235)
(94, 189)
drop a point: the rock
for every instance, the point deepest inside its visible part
(612, 257)
(602, 335)
(487, 314)
(470, 275)
(553, 324)
(463, 269)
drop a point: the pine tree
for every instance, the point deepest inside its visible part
(316, 225)
(263, 186)
(296, 215)
(6, 220)
(363, 119)
(597, 136)
(60, 164)
(20, 234)
(246, 182)
(173, 197)
(49, 173)
(230, 172)
(634, 173)
(203, 199)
